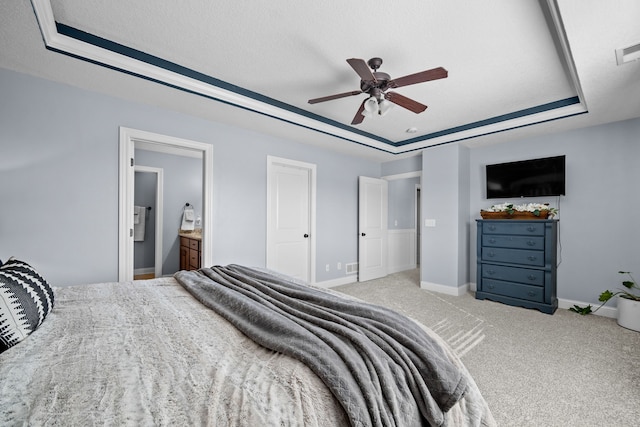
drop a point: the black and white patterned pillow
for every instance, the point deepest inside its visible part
(25, 300)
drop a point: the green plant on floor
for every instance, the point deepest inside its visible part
(630, 285)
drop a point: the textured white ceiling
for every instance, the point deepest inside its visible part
(502, 56)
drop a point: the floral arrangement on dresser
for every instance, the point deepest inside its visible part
(522, 211)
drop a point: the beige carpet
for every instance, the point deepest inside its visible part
(534, 369)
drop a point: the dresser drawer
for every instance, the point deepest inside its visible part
(509, 241)
(194, 259)
(513, 274)
(194, 244)
(514, 290)
(513, 227)
(513, 256)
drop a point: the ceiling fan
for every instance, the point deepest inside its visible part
(375, 84)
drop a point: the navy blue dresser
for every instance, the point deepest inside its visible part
(517, 262)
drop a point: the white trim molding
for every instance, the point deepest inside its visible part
(443, 289)
(184, 79)
(129, 139)
(611, 312)
(401, 250)
(337, 282)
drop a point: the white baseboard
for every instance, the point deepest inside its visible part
(604, 311)
(443, 289)
(337, 282)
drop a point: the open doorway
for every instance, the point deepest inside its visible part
(132, 140)
(148, 222)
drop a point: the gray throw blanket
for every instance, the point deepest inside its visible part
(381, 366)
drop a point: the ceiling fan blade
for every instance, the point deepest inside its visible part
(337, 96)
(363, 70)
(423, 76)
(358, 118)
(405, 102)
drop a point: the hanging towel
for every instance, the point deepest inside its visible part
(188, 219)
(139, 213)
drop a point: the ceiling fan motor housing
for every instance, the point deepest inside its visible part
(374, 63)
(367, 86)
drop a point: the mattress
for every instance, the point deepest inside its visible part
(148, 353)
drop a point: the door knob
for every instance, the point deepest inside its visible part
(306, 235)
(364, 234)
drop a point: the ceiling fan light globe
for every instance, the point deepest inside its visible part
(384, 106)
(371, 106)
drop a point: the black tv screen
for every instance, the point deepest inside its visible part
(527, 178)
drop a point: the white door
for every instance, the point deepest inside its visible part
(289, 207)
(372, 226)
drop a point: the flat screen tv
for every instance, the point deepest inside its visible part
(526, 178)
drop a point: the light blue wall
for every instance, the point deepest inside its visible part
(443, 198)
(59, 190)
(599, 227)
(59, 175)
(402, 203)
(402, 192)
(401, 166)
(599, 231)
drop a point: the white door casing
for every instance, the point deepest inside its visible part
(291, 218)
(130, 139)
(372, 228)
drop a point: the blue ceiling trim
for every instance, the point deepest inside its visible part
(187, 72)
(497, 119)
(499, 131)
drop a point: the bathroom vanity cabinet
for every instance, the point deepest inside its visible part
(190, 252)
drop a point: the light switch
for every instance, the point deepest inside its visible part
(429, 222)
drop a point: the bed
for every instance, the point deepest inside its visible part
(179, 351)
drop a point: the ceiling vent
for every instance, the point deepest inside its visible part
(628, 54)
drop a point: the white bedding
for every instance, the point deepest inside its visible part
(148, 353)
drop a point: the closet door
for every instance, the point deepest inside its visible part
(289, 234)
(372, 226)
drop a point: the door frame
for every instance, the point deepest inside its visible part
(272, 161)
(129, 140)
(159, 213)
(418, 213)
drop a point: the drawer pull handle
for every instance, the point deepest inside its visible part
(491, 272)
(531, 243)
(532, 258)
(491, 286)
(492, 227)
(531, 277)
(492, 240)
(491, 254)
(531, 228)
(531, 294)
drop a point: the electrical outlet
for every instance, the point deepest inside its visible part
(327, 267)
(339, 266)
